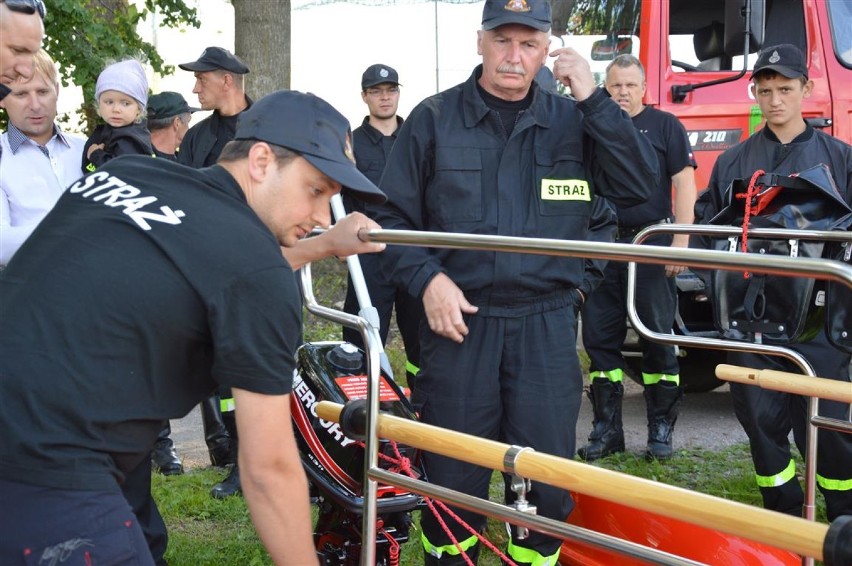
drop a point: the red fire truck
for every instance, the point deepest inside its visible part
(697, 56)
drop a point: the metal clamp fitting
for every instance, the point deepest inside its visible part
(510, 458)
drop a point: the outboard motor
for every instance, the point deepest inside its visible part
(334, 463)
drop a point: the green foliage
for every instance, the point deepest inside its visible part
(83, 36)
(604, 17)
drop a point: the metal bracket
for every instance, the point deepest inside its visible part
(521, 486)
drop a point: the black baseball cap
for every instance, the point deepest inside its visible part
(378, 74)
(785, 59)
(214, 59)
(530, 13)
(168, 104)
(307, 124)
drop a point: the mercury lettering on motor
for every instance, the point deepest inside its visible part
(309, 400)
(111, 191)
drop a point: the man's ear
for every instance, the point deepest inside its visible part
(260, 158)
(808, 88)
(228, 79)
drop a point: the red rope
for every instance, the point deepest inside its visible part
(751, 192)
(404, 465)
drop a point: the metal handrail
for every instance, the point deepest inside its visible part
(814, 420)
(802, 267)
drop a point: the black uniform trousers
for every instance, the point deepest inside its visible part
(385, 296)
(137, 491)
(768, 416)
(605, 315)
(83, 527)
(515, 380)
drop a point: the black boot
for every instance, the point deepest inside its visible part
(662, 400)
(607, 436)
(215, 434)
(231, 484)
(164, 458)
(228, 486)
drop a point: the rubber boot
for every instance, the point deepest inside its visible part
(164, 458)
(452, 559)
(215, 434)
(231, 484)
(607, 436)
(662, 400)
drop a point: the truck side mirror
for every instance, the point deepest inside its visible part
(736, 12)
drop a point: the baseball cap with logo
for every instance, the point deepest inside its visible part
(307, 124)
(530, 13)
(214, 59)
(168, 104)
(785, 59)
(378, 74)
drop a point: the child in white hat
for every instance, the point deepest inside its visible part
(122, 94)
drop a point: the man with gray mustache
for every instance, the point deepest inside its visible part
(500, 155)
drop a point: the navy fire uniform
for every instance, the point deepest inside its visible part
(605, 311)
(458, 167)
(145, 279)
(371, 148)
(767, 416)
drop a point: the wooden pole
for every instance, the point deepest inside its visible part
(767, 527)
(788, 382)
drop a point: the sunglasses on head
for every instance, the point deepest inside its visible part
(26, 6)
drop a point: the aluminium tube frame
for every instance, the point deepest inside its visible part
(814, 420)
(775, 265)
(372, 472)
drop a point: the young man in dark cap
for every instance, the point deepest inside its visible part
(500, 155)
(372, 143)
(195, 290)
(168, 121)
(219, 84)
(787, 145)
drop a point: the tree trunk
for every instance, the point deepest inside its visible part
(561, 13)
(262, 38)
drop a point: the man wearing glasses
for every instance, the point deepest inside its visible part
(21, 32)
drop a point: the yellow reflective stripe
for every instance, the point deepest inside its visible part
(778, 479)
(655, 378)
(226, 405)
(449, 549)
(411, 368)
(613, 375)
(530, 556)
(834, 485)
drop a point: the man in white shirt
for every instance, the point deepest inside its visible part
(39, 161)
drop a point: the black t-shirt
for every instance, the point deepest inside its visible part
(668, 136)
(146, 286)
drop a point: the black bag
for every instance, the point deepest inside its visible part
(782, 310)
(838, 318)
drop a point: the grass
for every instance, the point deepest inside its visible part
(204, 531)
(207, 531)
